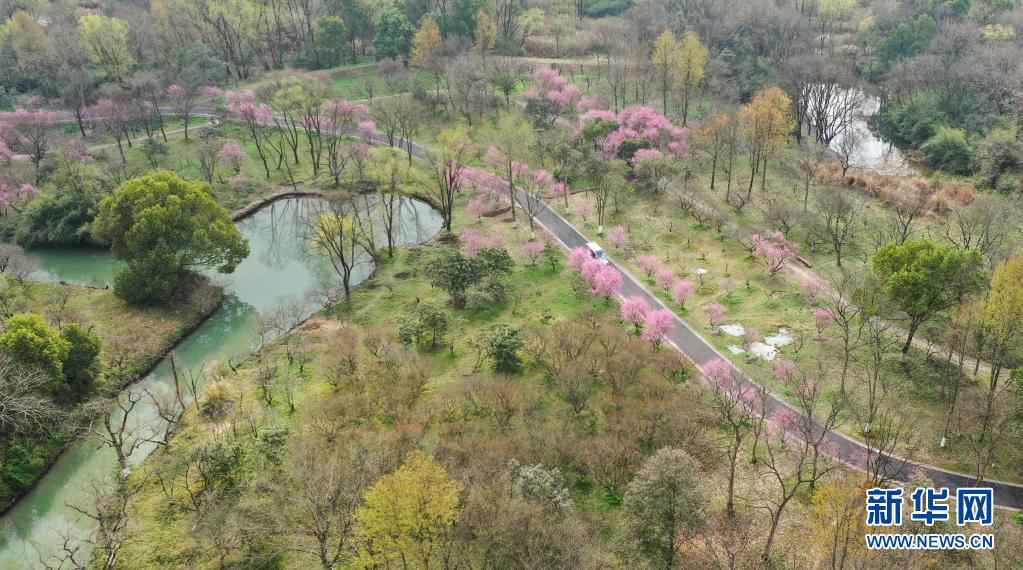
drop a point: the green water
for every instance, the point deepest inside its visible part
(279, 271)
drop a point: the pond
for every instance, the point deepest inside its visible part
(874, 153)
(279, 270)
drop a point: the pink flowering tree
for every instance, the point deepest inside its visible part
(242, 106)
(549, 97)
(182, 98)
(534, 186)
(231, 155)
(715, 313)
(605, 282)
(649, 264)
(28, 131)
(718, 371)
(652, 168)
(533, 250)
(560, 190)
(664, 277)
(784, 370)
(590, 269)
(681, 291)
(634, 311)
(584, 210)
(473, 241)
(774, 251)
(657, 325)
(578, 257)
(476, 207)
(642, 127)
(616, 237)
(338, 119)
(823, 318)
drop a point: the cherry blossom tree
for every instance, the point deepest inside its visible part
(183, 99)
(241, 105)
(28, 131)
(606, 281)
(657, 325)
(649, 264)
(715, 313)
(642, 127)
(634, 311)
(549, 97)
(681, 290)
(774, 251)
(590, 269)
(476, 207)
(616, 237)
(584, 210)
(338, 119)
(533, 250)
(231, 155)
(473, 241)
(578, 257)
(823, 319)
(664, 277)
(785, 370)
(718, 371)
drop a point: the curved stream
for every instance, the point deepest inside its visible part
(279, 270)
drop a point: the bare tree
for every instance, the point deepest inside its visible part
(848, 146)
(847, 318)
(118, 431)
(335, 233)
(792, 466)
(838, 216)
(109, 512)
(319, 493)
(15, 264)
(983, 226)
(23, 405)
(734, 404)
(891, 431)
(812, 158)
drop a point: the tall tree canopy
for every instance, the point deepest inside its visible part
(163, 226)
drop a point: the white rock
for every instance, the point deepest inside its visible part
(781, 338)
(733, 330)
(736, 350)
(764, 351)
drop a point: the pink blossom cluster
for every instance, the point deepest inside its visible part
(633, 310)
(589, 103)
(341, 115)
(584, 210)
(231, 155)
(681, 291)
(617, 238)
(367, 128)
(5, 151)
(715, 313)
(784, 370)
(533, 250)
(649, 264)
(12, 194)
(644, 123)
(657, 325)
(597, 115)
(484, 182)
(473, 241)
(645, 154)
(774, 250)
(718, 371)
(550, 86)
(242, 104)
(823, 319)
(604, 280)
